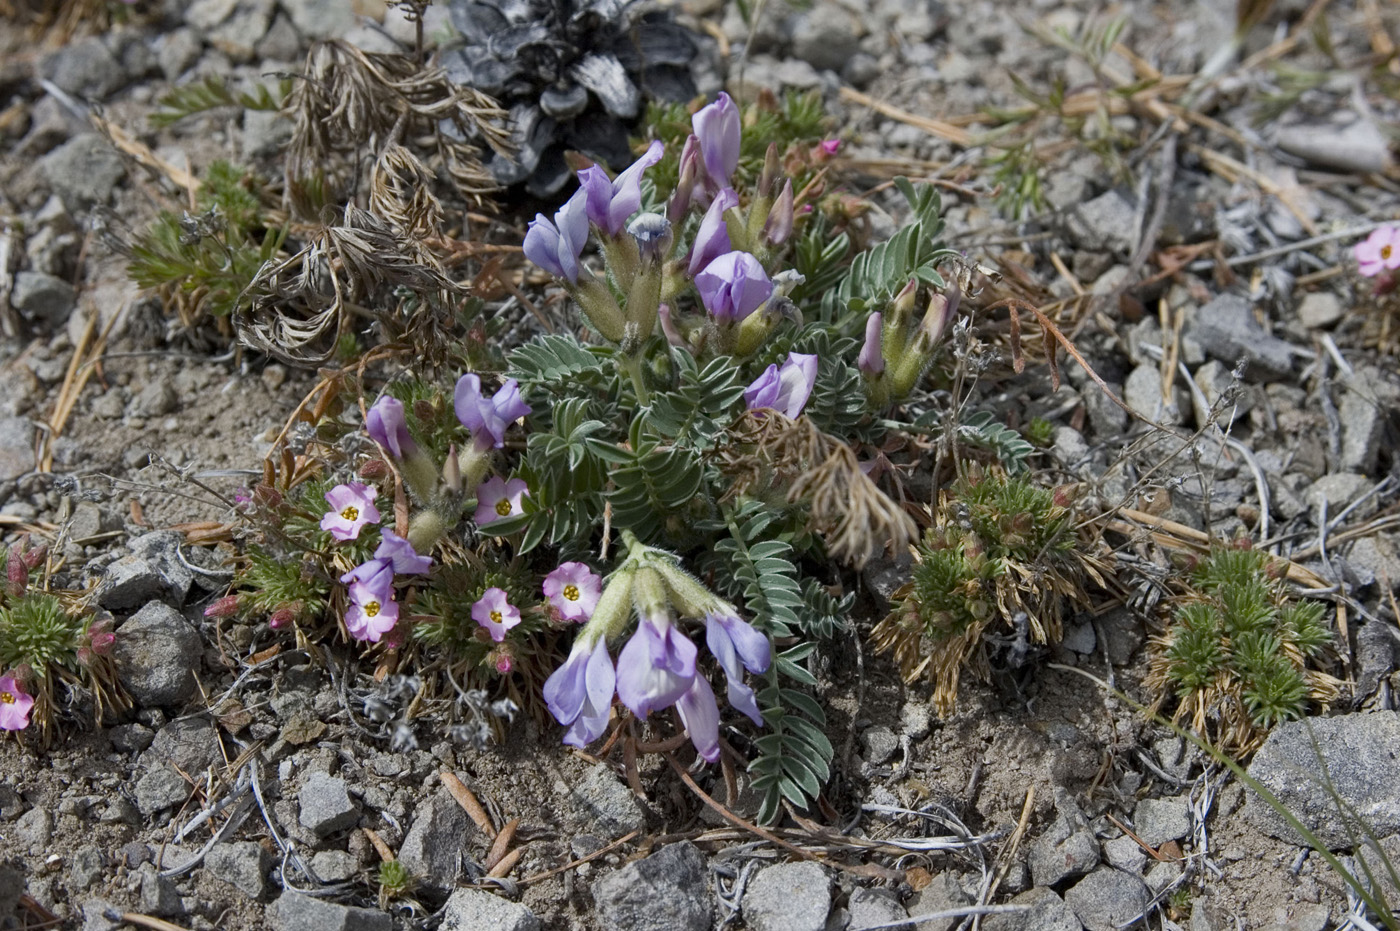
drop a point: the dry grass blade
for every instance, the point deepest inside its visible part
(857, 519)
(467, 799)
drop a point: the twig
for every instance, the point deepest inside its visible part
(467, 799)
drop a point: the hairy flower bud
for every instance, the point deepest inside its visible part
(226, 606)
(284, 616)
(17, 572)
(373, 469)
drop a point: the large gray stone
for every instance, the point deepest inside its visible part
(16, 447)
(943, 894)
(296, 912)
(826, 36)
(156, 652)
(874, 908)
(440, 834)
(85, 68)
(325, 805)
(1067, 848)
(608, 803)
(43, 297)
(663, 892)
(158, 894)
(1359, 752)
(1108, 223)
(477, 910)
(1158, 820)
(1359, 146)
(242, 864)
(788, 897)
(320, 19)
(1226, 329)
(189, 744)
(1044, 911)
(83, 171)
(160, 789)
(34, 830)
(128, 582)
(1107, 899)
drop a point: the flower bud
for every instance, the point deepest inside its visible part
(373, 469)
(769, 175)
(679, 205)
(17, 572)
(284, 616)
(34, 557)
(870, 361)
(652, 231)
(779, 225)
(226, 606)
(452, 471)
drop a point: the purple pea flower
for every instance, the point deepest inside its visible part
(734, 643)
(370, 615)
(610, 201)
(717, 128)
(700, 715)
(488, 419)
(401, 554)
(495, 613)
(712, 239)
(573, 590)
(375, 575)
(579, 693)
(733, 286)
(556, 246)
(385, 424)
(871, 360)
(656, 666)
(352, 506)
(785, 389)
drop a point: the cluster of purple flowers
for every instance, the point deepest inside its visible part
(657, 667)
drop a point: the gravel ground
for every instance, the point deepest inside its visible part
(1230, 256)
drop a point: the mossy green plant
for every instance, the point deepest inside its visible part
(1240, 655)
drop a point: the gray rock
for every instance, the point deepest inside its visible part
(826, 36)
(880, 744)
(860, 70)
(1108, 419)
(1220, 395)
(476, 909)
(1359, 751)
(89, 520)
(1108, 223)
(34, 829)
(320, 19)
(84, 869)
(1142, 391)
(241, 864)
(335, 866)
(1338, 491)
(176, 51)
(1070, 449)
(43, 297)
(1160, 875)
(264, 132)
(158, 894)
(788, 897)
(1380, 857)
(608, 803)
(296, 912)
(1067, 848)
(162, 550)
(943, 893)
(156, 399)
(95, 913)
(282, 42)
(1226, 329)
(86, 68)
(1125, 854)
(156, 652)
(1358, 147)
(238, 36)
(128, 582)
(206, 14)
(1378, 558)
(433, 847)
(190, 745)
(883, 576)
(1107, 899)
(83, 171)
(1320, 309)
(1045, 911)
(325, 805)
(873, 908)
(1158, 820)
(914, 719)
(160, 789)
(1080, 638)
(1363, 428)
(16, 447)
(663, 892)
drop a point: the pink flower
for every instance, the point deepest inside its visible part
(370, 616)
(497, 499)
(1379, 251)
(830, 146)
(14, 705)
(352, 506)
(573, 590)
(495, 612)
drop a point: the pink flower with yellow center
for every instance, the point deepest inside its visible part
(573, 590)
(1379, 252)
(497, 499)
(14, 705)
(495, 613)
(371, 614)
(352, 506)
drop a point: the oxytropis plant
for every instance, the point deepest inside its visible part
(729, 420)
(1239, 654)
(52, 658)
